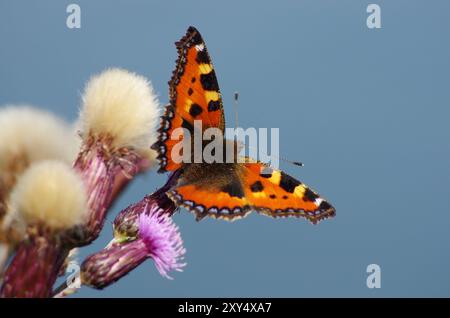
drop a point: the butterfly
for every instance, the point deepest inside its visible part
(221, 190)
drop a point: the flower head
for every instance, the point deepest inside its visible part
(123, 106)
(154, 235)
(163, 240)
(117, 122)
(28, 135)
(126, 223)
(50, 198)
(51, 194)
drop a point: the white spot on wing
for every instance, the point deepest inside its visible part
(200, 47)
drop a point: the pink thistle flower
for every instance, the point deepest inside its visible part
(127, 221)
(163, 241)
(155, 237)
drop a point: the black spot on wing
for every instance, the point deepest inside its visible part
(257, 187)
(234, 189)
(287, 183)
(309, 195)
(213, 105)
(195, 110)
(209, 81)
(272, 196)
(202, 57)
(187, 125)
(190, 91)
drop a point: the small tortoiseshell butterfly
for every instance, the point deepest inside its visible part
(222, 190)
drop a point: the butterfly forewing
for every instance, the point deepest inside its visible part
(194, 95)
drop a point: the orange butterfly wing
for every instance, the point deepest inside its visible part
(194, 95)
(260, 188)
(274, 193)
(211, 202)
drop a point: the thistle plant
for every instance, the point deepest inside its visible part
(48, 232)
(118, 118)
(56, 207)
(27, 135)
(157, 237)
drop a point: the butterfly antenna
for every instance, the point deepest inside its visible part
(295, 163)
(236, 97)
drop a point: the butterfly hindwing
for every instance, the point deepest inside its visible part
(219, 203)
(274, 193)
(232, 193)
(194, 95)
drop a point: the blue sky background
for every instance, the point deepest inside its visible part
(366, 110)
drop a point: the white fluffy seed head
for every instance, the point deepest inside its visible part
(49, 193)
(34, 135)
(122, 105)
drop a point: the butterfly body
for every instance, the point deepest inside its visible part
(227, 189)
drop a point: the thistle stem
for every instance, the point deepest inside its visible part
(34, 268)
